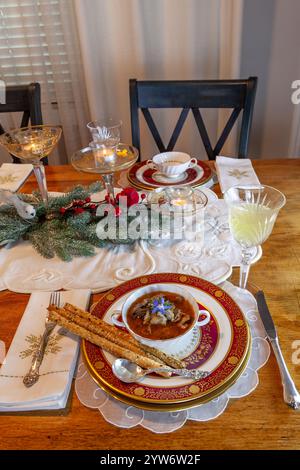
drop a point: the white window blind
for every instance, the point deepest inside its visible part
(33, 47)
(39, 42)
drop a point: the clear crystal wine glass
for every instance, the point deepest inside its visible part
(31, 145)
(252, 213)
(106, 132)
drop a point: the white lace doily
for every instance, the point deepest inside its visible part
(125, 416)
(22, 269)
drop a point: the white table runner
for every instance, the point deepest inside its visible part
(22, 269)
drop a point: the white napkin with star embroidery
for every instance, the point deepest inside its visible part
(57, 369)
(13, 175)
(235, 171)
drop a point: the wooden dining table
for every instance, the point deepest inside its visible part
(260, 420)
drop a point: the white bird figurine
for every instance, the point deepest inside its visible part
(25, 210)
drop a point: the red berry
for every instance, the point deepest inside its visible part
(92, 206)
(143, 196)
(78, 210)
(110, 200)
(80, 203)
(62, 210)
(118, 211)
(88, 199)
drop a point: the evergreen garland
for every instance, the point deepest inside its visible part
(66, 228)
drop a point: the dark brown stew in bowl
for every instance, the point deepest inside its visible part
(160, 315)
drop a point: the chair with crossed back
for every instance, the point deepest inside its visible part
(26, 99)
(190, 95)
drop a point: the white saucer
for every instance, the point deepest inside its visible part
(160, 178)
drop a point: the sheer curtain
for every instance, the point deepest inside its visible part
(39, 42)
(159, 40)
(83, 53)
(196, 39)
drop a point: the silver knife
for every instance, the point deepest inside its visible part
(290, 393)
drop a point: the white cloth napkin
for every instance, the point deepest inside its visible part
(13, 175)
(234, 171)
(57, 369)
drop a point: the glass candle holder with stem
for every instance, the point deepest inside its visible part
(106, 134)
(252, 214)
(99, 159)
(105, 156)
(31, 145)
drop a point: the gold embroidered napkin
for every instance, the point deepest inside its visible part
(234, 171)
(57, 369)
(13, 175)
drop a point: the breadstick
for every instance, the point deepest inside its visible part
(169, 360)
(151, 352)
(114, 336)
(143, 361)
(102, 325)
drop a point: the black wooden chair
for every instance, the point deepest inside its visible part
(26, 99)
(191, 95)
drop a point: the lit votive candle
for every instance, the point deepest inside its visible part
(179, 202)
(102, 154)
(33, 148)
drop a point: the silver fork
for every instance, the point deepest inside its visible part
(33, 374)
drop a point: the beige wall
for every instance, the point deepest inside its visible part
(270, 50)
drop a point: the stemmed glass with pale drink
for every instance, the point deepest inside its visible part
(252, 213)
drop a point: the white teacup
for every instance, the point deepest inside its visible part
(172, 164)
(172, 345)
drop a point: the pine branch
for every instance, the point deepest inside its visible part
(12, 227)
(56, 237)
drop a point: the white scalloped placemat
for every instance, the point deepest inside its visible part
(125, 416)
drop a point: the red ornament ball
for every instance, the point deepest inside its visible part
(131, 195)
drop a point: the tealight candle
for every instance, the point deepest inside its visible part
(179, 202)
(102, 153)
(36, 149)
(33, 148)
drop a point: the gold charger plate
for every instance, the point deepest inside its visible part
(233, 344)
(172, 407)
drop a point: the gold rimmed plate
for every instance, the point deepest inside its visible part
(174, 406)
(221, 348)
(142, 176)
